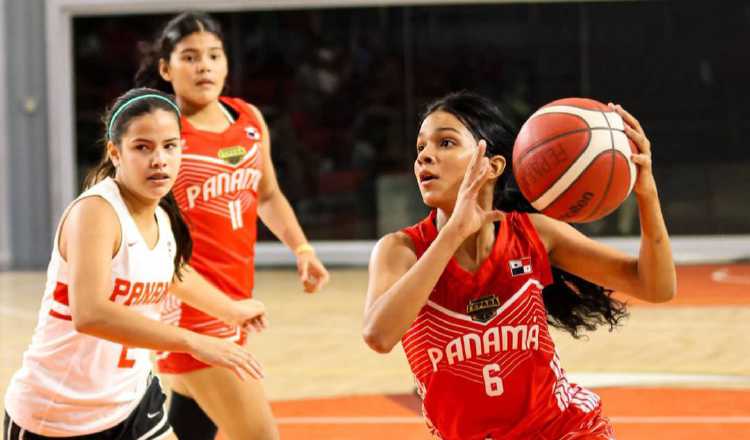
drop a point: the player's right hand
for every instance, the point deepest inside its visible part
(468, 216)
(225, 353)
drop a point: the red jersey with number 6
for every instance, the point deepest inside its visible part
(217, 191)
(481, 351)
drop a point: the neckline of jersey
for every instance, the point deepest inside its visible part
(223, 103)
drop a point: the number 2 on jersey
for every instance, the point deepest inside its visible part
(493, 383)
(125, 362)
(235, 213)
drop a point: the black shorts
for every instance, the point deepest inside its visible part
(148, 421)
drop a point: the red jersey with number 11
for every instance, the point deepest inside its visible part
(217, 191)
(481, 351)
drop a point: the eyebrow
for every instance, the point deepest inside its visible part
(152, 141)
(441, 129)
(192, 49)
(448, 129)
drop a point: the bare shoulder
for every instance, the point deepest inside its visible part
(395, 248)
(91, 219)
(547, 228)
(93, 211)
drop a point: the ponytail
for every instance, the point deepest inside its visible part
(181, 233)
(148, 70)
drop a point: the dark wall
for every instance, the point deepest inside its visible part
(342, 89)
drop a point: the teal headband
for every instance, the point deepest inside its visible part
(132, 100)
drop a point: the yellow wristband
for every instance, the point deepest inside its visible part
(303, 248)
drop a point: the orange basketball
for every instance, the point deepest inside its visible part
(571, 160)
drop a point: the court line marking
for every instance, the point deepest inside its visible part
(623, 420)
(723, 276)
(600, 380)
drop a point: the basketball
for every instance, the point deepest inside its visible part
(571, 160)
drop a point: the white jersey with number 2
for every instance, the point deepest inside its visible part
(71, 383)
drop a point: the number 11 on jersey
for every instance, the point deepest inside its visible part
(493, 383)
(235, 213)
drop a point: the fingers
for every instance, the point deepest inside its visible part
(246, 365)
(642, 160)
(494, 216)
(633, 129)
(475, 164)
(644, 145)
(317, 279)
(256, 370)
(627, 117)
(303, 270)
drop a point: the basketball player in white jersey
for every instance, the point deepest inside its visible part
(87, 373)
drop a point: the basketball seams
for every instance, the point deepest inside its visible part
(572, 162)
(541, 203)
(591, 156)
(611, 171)
(555, 137)
(572, 182)
(575, 159)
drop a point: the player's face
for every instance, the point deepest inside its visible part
(149, 154)
(444, 149)
(197, 69)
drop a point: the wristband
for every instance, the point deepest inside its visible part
(303, 248)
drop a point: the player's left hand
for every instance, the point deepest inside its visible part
(645, 185)
(312, 274)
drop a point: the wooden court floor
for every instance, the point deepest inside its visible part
(673, 371)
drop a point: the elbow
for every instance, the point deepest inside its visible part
(664, 294)
(85, 321)
(83, 325)
(377, 341)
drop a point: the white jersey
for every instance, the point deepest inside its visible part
(71, 383)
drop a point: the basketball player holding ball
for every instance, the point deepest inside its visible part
(470, 290)
(227, 181)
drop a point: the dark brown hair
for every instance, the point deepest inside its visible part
(173, 32)
(572, 303)
(130, 105)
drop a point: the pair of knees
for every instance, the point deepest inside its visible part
(190, 422)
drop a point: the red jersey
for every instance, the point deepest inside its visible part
(481, 351)
(217, 191)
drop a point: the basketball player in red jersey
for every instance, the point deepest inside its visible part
(227, 180)
(469, 291)
(87, 372)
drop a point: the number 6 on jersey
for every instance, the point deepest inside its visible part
(493, 383)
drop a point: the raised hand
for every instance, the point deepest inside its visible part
(644, 184)
(468, 216)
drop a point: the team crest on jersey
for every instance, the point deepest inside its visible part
(232, 155)
(252, 133)
(520, 267)
(484, 308)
